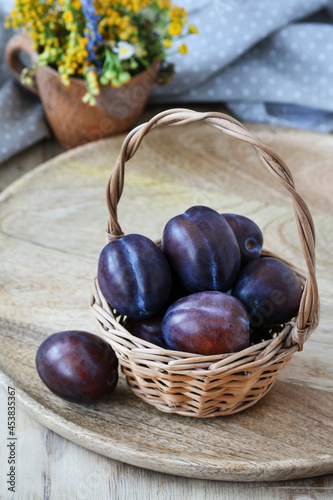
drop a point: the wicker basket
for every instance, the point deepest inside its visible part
(197, 385)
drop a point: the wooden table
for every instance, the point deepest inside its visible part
(50, 467)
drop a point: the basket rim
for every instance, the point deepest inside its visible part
(139, 350)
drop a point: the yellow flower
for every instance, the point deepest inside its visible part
(83, 41)
(175, 28)
(167, 43)
(68, 16)
(65, 80)
(164, 4)
(178, 13)
(183, 49)
(192, 29)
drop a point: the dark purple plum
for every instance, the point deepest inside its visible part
(134, 276)
(270, 291)
(206, 323)
(202, 249)
(178, 291)
(147, 329)
(262, 333)
(77, 366)
(248, 234)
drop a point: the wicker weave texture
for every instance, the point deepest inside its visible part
(197, 385)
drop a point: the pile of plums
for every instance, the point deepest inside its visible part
(204, 290)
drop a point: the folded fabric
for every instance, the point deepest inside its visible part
(22, 119)
(270, 62)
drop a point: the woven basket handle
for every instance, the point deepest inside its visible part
(309, 308)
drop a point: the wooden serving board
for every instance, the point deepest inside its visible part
(52, 231)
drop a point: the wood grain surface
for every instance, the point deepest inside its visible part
(49, 467)
(52, 224)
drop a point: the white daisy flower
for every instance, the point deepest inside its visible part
(124, 50)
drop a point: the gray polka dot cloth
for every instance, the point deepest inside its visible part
(270, 62)
(22, 121)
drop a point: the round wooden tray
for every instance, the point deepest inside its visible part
(52, 231)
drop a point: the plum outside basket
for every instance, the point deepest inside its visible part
(199, 385)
